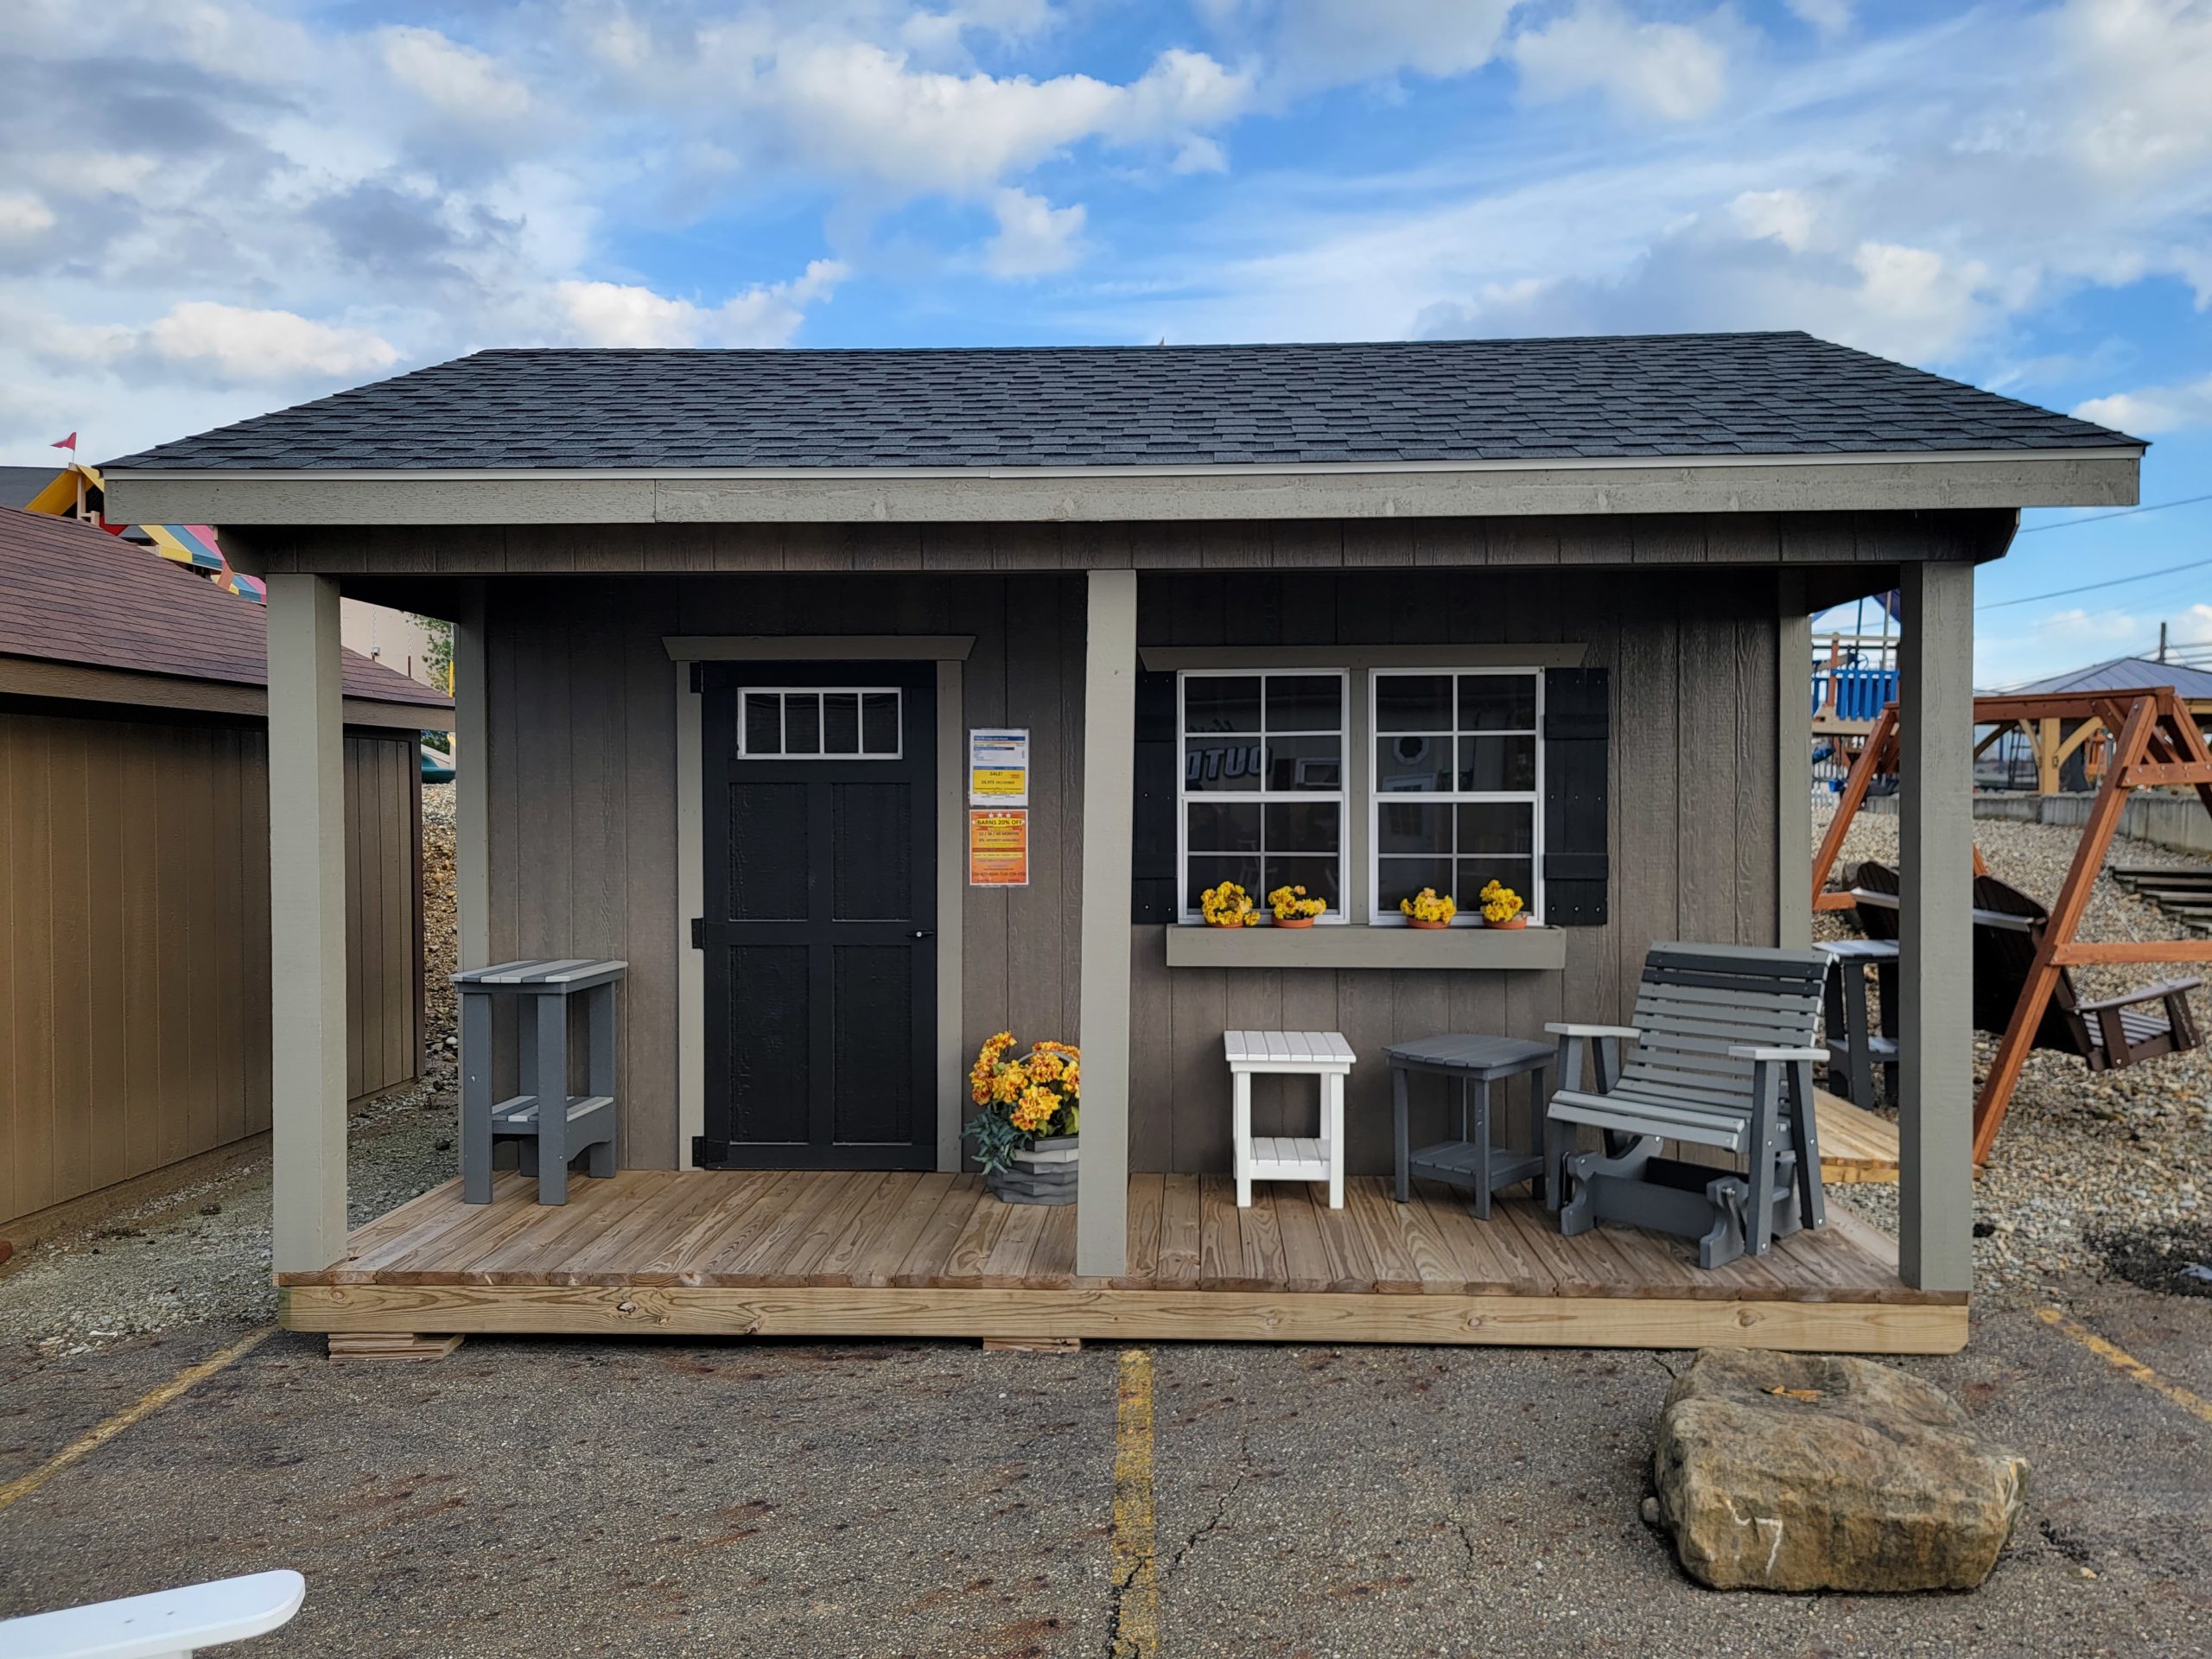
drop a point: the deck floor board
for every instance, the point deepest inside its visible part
(762, 1250)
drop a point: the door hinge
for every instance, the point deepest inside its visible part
(698, 932)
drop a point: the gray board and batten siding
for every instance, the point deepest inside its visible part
(581, 768)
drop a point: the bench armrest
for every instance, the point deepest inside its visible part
(1626, 1033)
(1756, 1051)
(2156, 993)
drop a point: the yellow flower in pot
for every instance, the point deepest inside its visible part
(1426, 909)
(1228, 906)
(1292, 908)
(1502, 906)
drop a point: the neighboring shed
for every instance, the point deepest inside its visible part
(1362, 617)
(133, 899)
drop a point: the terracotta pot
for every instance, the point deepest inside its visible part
(1294, 921)
(1415, 921)
(1518, 921)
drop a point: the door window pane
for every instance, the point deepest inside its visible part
(879, 722)
(1220, 703)
(803, 723)
(841, 722)
(1413, 702)
(764, 723)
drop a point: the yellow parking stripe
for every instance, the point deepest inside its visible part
(1135, 1572)
(190, 1377)
(2195, 1404)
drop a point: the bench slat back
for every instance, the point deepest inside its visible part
(1697, 1001)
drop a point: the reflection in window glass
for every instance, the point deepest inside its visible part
(1263, 780)
(1457, 787)
(879, 722)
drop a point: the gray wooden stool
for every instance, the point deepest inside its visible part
(1471, 1161)
(547, 1139)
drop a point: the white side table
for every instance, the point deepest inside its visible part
(1324, 1056)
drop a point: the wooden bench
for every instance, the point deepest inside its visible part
(1322, 1055)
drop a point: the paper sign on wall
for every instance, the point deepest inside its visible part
(998, 848)
(998, 765)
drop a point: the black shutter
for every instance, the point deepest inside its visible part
(1154, 878)
(1577, 734)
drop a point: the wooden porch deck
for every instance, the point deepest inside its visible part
(797, 1253)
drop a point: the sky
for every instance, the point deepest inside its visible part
(210, 208)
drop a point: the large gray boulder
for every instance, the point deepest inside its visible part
(1795, 1472)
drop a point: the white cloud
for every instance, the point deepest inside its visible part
(618, 314)
(1785, 215)
(1669, 70)
(2146, 65)
(459, 81)
(1829, 16)
(2153, 409)
(249, 345)
(23, 216)
(1034, 237)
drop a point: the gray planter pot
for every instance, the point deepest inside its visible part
(1045, 1173)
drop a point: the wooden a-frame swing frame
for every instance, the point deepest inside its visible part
(2156, 740)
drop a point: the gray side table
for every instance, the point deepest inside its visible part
(1470, 1162)
(551, 1124)
(1855, 1048)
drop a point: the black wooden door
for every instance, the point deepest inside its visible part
(820, 843)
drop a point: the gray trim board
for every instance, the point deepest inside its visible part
(1675, 484)
(951, 893)
(690, 901)
(819, 648)
(307, 895)
(1350, 945)
(1108, 761)
(1935, 900)
(1793, 730)
(1167, 659)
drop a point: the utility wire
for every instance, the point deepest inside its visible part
(2124, 512)
(2091, 587)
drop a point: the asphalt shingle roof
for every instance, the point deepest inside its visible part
(2125, 674)
(71, 593)
(1764, 394)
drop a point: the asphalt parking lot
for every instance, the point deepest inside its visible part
(656, 1498)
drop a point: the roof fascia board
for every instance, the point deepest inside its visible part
(1936, 480)
(62, 682)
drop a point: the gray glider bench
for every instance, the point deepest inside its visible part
(1722, 1058)
(546, 1140)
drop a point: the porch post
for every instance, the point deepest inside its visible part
(1793, 759)
(472, 785)
(1935, 928)
(1109, 686)
(307, 891)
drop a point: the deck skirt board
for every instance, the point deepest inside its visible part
(857, 1253)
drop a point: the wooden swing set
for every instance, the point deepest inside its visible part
(2155, 741)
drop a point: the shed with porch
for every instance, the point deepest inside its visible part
(1362, 617)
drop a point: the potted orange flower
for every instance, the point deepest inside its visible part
(1425, 909)
(1293, 909)
(1026, 1136)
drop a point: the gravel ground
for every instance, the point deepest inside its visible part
(2102, 1174)
(200, 1251)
